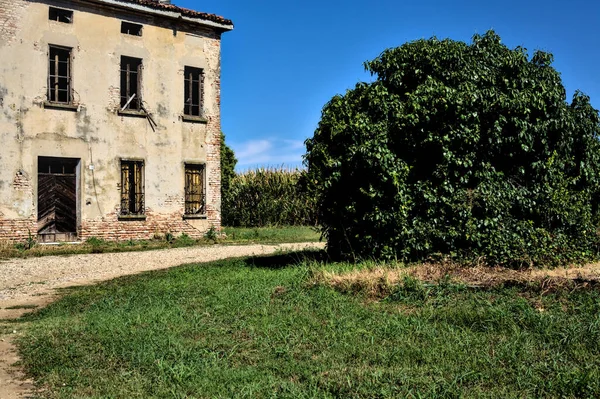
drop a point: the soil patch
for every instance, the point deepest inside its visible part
(378, 282)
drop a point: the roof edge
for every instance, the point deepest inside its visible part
(173, 13)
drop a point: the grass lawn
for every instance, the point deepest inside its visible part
(233, 235)
(267, 328)
(270, 234)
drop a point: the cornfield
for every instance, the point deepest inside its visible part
(268, 197)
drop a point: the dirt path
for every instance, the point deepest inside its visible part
(32, 282)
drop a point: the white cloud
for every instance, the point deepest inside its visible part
(268, 152)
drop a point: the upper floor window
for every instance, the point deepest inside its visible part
(60, 15)
(131, 29)
(131, 83)
(193, 91)
(59, 74)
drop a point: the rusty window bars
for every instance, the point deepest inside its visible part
(132, 187)
(195, 198)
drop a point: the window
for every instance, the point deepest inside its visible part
(59, 75)
(194, 190)
(132, 187)
(131, 29)
(60, 15)
(131, 78)
(194, 91)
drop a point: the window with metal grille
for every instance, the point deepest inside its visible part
(132, 187)
(60, 15)
(193, 91)
(194, 190)
(59, 74)
(131, 79)
(129, 28)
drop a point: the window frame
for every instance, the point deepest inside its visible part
(190, 85)
(54, 75)
(128, 27)
(125, 92)
(133, 203)
(61, 15)
(194, 193)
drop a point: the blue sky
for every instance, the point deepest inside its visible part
(285, 59)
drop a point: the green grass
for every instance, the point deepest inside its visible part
(234, 235)
(270, 234)
(261, 328)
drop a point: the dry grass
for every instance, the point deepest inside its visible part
(380, 281)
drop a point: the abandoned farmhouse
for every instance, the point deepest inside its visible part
(109, 119)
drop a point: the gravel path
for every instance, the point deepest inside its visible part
(22, 280)
(32, 282)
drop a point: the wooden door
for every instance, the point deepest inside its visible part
(57, 200)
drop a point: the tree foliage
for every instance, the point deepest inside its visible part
(228, 162)
(464, 150)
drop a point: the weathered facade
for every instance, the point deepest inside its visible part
(109, 119)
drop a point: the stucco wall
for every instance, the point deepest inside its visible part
(94, 132)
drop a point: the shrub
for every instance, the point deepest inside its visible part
(95, 241)
(268, 197)
(212, 234)
(183, 240)
(466, 150)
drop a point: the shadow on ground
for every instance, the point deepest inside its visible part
(289, 259)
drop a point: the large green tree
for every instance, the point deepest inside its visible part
(462, 150)
(228, 162)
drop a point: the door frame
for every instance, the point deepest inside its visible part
(78, 163)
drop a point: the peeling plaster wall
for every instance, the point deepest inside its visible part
(95, 133)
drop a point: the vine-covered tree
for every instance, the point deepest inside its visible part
(228, 162)
(461, 150)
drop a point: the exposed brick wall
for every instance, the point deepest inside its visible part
(212, 49)
(11, 12)
(17, 229)
(111, 228)
(22, 182)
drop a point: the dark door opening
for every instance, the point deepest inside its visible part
(57, 199)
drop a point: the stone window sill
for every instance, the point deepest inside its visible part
(199, 216)
(132, 217)
(60, 106)
(194, 119)
(132, 112)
